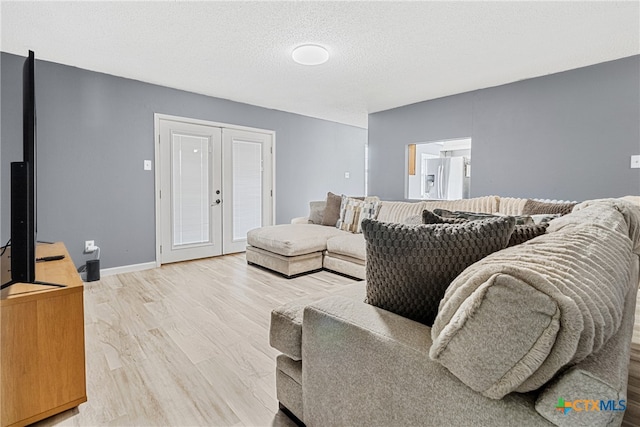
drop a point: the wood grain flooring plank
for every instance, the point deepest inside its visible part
(188, 344)
(233, 389)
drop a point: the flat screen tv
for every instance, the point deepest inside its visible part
(23, 187)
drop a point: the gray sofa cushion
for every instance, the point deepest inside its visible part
(511, 205)
(285, 331)
(410, 266)
(364, 366)
(575, 277)
(350, 245)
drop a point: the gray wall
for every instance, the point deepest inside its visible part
(95, 130)
(565, 136)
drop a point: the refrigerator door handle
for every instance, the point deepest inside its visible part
(440, 175)
(437, 195)
(444, 183)
(438, 187)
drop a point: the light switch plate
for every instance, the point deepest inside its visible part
(147, 165)
(347, 175)
(635, 161)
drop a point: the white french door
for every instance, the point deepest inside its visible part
(246, 163)
(213, 185)
(190, 175)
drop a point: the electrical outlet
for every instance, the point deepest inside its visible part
(635, 162)
(89, 245)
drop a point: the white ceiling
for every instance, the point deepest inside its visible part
(383, 54)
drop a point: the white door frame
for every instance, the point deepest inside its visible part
(156, 148)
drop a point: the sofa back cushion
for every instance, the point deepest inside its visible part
(511, 205)
(513, 320)
(399, 211)
(410, 266)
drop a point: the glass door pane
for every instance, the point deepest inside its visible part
(190, 179)
(247, 187)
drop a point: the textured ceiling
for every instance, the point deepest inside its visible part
(383, 54)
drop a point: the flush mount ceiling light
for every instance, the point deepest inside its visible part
(310, 54)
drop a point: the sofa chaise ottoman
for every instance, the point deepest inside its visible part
(290, 249)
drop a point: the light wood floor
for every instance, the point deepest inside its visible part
(187, 344)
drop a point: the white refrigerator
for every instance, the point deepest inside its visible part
(445, 179)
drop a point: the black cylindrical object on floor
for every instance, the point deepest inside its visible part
(93, 270)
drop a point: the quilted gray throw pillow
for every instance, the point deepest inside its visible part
(521, 233)
(409, 267)
(472, 216)
(429, 217)
(533, 207)
(524, 233)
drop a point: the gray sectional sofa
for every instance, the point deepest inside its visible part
(301, 247)
(534, 334)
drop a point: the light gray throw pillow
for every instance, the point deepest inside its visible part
(316, 212)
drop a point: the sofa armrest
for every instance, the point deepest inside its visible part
(602, 376)
(300, 220)
(366, 366)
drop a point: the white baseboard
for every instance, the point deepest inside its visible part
(127, 268)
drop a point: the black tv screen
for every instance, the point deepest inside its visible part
(23, 186)
(29, 111)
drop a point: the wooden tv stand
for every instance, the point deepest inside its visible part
(42, 363)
